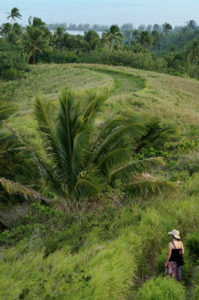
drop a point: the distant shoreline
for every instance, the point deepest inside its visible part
(77, 32)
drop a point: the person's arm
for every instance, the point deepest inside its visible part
(169, 255)
(182, 248)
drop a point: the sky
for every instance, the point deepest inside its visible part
(106, 12)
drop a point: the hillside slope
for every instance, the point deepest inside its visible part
(110, 251)
(171, 98)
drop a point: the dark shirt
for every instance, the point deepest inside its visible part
(176, 255)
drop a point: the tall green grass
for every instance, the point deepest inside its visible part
(119, 250)
(102, 271)
(162, 289)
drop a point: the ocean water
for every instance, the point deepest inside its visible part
(80, 32)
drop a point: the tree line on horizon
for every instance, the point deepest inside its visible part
(153, 47)
(125, 28)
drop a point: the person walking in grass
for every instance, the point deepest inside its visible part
(175, 256)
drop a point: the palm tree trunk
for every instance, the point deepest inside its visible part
(11, 25)
(111, 46)
(34, 57)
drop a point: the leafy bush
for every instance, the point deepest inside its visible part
(156, 138)
(195, 284)
(10, 74)
(191, 186)
(150, 241)
(141, 60)
(161, 289)
(124, 58)
(193, 70)
(192, 244)
(58, 56)
(12, 63)
(160, 261)
(189, 163)
(195, 294)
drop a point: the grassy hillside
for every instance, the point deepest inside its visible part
(173, 99)
(110, 251)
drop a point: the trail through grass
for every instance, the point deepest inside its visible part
(117, 253)
(173, 99)
(124, 82)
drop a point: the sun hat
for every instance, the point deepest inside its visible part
(175, 233)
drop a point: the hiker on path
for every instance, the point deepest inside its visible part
(175, 256)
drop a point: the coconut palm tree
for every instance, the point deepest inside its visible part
(192, 25)
(146, 39)
(36, 22)
(35, 42)
(193, 52)
(92, 38)
(167, 28)
(14, 14)
(113, 36)
(83, 157)
(5, 29)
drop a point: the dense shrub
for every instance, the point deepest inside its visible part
(161, 289)
(195, 294)
(151, 242)
(192, 243)
(160, 261)
(144, 61)
(10, 74)
(12, 63)
(193, 70)
(191, 185)
(58, 56)
(125, 58)
(189, 163)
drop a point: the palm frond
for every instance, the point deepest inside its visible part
(14, 188)
(4, 139)
(106, 127)
(9, 144)
(94, 104)
(146, 185)
(135, 167)
(43, 119)
(68, 126)
(47, 170)
(115, 135)
(5, 111)
(119, 120)
(80, 142)
(156, 136)
(112, 159)
(85, 188)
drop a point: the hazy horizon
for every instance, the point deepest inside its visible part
(105, 12)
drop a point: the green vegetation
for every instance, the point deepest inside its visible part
(109, 245)
(161, 288)
(97, 163)
(158, 47)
